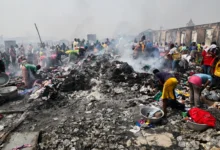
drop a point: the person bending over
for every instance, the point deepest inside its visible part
(197, 83)
(28, 74)
(168, 97)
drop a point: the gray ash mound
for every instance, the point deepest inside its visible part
(102, 68)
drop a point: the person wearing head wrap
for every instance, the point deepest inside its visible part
(168, 97)
(197, 83)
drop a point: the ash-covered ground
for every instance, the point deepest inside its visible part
(92, 105)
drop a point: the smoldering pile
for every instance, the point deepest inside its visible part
(109, 73)
(101, 92)
(102, 97)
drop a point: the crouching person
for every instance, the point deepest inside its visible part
(197, 83)
(169, 83)
(28, 74)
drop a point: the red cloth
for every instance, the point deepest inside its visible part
(53, 56)
(162, 53)
(207, 58)
(42, 57)
(202, 117)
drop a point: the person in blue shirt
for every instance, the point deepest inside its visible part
(149, 48)
(197, 83)
(193, 50)
(149, 44)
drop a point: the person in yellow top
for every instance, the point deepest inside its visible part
(168, 98)
(41, 53)
(215, 69)
(199, 47)
(198, 53)
(104, 45)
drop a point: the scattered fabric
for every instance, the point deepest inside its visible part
(202, 117)
(22, 147)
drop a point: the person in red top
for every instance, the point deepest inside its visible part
(206, 61)
(208, 55)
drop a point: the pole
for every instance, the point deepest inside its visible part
(38, 34)
(160, 34)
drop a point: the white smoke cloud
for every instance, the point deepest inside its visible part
(126, 55)
(61, 19)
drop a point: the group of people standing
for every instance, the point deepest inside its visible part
(31, 59)
(9, 57)
(145, 48)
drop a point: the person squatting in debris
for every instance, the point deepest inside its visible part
(184, 62)
(28, 74)
(168, 97)
(197, 83)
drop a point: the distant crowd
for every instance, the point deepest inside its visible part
(179, 55)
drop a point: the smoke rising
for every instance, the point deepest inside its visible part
(126, 55)
(68, 18)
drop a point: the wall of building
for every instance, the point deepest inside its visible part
(174, 35)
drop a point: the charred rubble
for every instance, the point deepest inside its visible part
(94, 103)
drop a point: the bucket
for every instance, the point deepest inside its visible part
(9, 92)
(196, 126)
(4, 79)
(149, 111)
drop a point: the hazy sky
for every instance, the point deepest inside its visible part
(75, 18)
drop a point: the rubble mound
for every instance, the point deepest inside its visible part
(103, 68)
(94, 104)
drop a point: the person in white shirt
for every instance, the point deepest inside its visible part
(175, 56)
